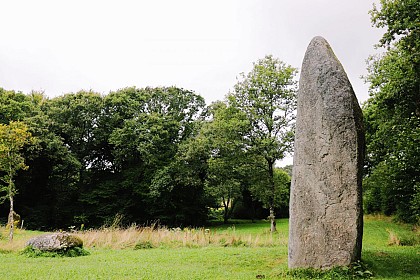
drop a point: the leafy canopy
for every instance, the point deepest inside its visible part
(392, 113)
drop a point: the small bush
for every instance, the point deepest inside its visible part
(31, 252)
(144, 245)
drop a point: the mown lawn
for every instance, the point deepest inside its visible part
(236, 261)
(179, 263)
(391, 261)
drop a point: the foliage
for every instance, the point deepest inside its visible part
(96, 156)
(282, 182)
(144, 245)
(248, 133)
(401, 19)
(267, 98)
(144, 174)
(392, 114)
(228, 161)
(13, 137)
(42, 195)
(14, 106)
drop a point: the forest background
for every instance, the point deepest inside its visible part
(161, 154)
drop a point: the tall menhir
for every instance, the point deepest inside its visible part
(326, 216)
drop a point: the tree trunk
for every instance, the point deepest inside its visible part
(226, 210)
(11, 219)
(232, 207)
(273, 227)
(226, 215)
(272, 217)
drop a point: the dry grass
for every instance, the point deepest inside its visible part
(151, 237)
(19, 240)
(135, 237)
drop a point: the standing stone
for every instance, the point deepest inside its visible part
(326, 216)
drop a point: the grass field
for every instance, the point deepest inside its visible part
(242, 250)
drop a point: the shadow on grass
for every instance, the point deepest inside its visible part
(400, 263)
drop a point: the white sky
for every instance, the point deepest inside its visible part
(65, 46)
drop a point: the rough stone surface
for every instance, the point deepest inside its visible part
(55, 242)
(326, 216)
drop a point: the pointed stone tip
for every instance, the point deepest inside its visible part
(319, 41)
(319, 51)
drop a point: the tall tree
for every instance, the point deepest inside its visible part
(146, 146)
(227, 163)
(392, 113)
(12, 139)
(267, 96)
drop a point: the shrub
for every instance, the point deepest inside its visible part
(31, 252)
(144, 245)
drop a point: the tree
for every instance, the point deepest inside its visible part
(12, 139)
(227, 155)
(156, 122)
(267, 97)
(392, 113)
(400, 17)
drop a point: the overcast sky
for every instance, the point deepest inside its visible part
(64, 46)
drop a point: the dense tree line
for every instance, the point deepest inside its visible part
(97, 156)
(392, 114)
(147, 155)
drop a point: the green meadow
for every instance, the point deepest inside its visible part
(239, 250)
